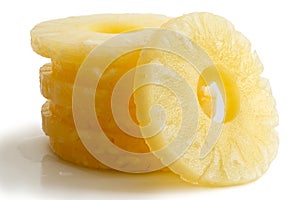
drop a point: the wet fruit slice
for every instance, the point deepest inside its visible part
(71, 39)
(58, 86)
(248, 142)
(67, 42)
(59, 126)
(58, 122)
(64, 140)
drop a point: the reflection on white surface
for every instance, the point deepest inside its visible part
(28, 165)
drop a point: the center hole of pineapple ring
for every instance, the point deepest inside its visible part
(219, 105)
(211, 98)
(115, 28)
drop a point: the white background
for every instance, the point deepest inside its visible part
(272, 27)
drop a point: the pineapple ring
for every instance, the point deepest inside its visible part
(248, 141)
(64, 139)
(71, 39)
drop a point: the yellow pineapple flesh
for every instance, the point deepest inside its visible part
(248, 141)
(72, 39)
(67, 42)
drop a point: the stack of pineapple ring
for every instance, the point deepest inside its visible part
(247, 143)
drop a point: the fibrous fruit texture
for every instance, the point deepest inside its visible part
(245, 144)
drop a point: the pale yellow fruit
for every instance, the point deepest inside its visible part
(71, 39)
(67, 42)
(248, 142)
(58, 124)
(64, 140)
(60, 94)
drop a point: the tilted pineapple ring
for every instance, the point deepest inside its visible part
(248, 141)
